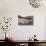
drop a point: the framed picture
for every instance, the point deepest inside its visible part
(26, 20)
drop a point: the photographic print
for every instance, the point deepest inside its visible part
(27, 20)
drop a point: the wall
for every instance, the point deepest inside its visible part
(12, 8)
